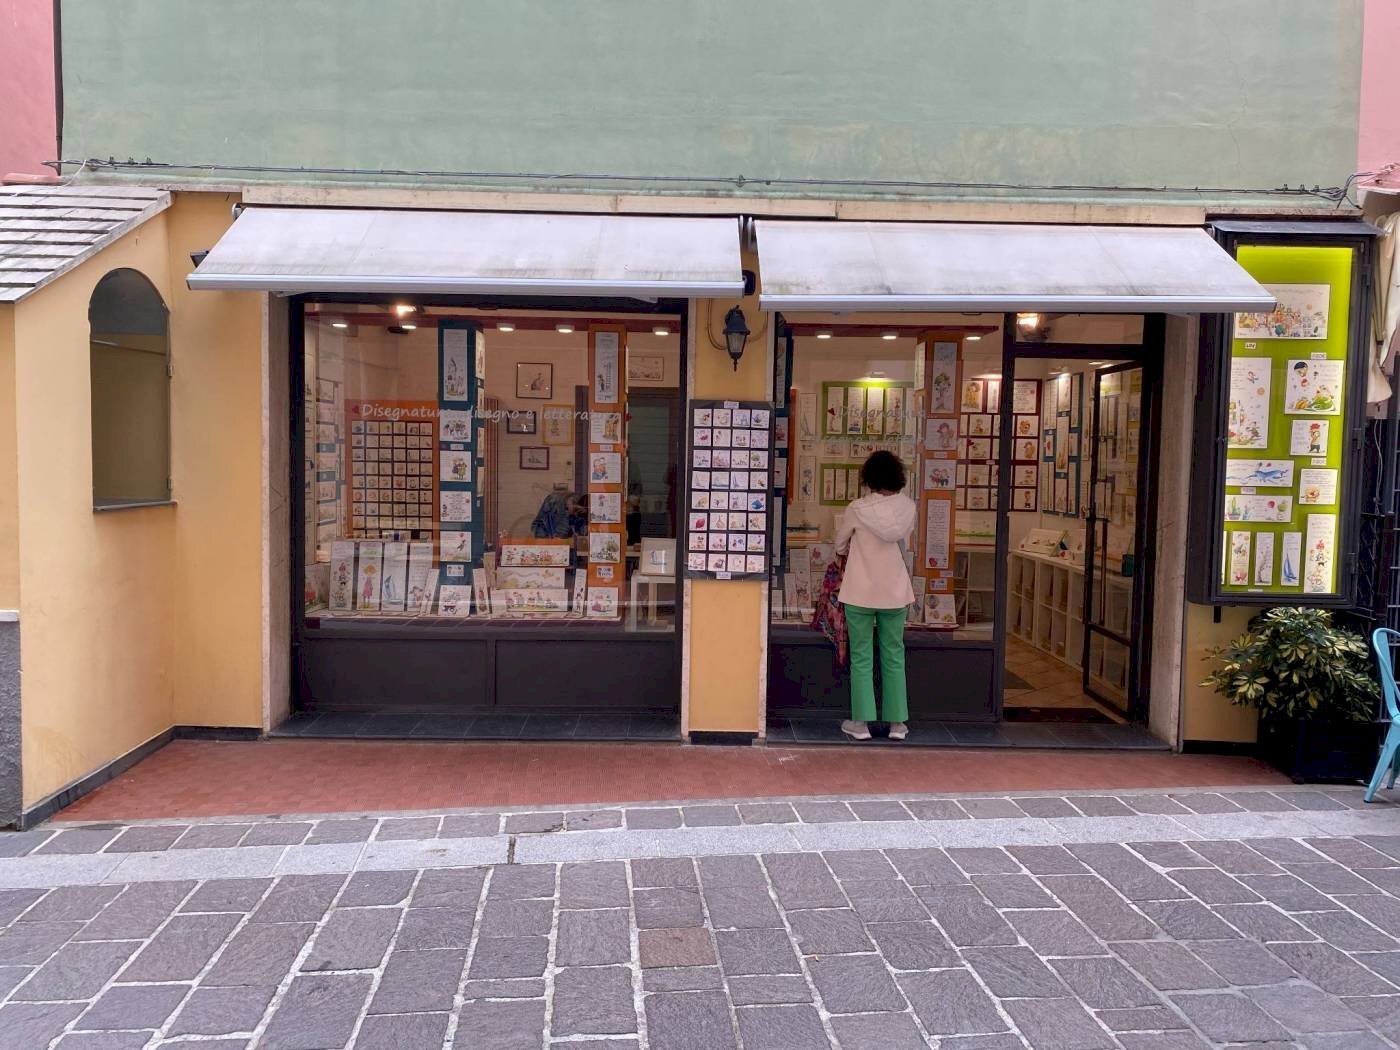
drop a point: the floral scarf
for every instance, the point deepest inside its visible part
(829, 617)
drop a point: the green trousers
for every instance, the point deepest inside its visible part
(862, 627)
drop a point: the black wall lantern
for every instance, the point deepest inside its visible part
(736, 334)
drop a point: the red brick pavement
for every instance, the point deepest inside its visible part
(191, 778)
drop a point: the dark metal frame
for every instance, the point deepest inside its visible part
(1149, 356)
(470, 630)
(1207, 511)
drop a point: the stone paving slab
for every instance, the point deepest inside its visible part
(818, 923)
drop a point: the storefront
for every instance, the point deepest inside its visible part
(514, 485)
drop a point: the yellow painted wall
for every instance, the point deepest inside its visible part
(136, 620)
(217, 451)
(726, 625)
(1205, 714)
(9, 469)
(97, 611)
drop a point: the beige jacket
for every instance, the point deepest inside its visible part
(872, 533)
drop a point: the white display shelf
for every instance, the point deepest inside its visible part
(1045, 607)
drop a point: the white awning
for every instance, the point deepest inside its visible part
(841, 266)
(473, 253)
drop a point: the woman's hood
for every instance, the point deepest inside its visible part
(890, 518)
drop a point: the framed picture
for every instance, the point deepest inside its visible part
(646, 368)
(558, 424)
(534, 457)
(522, 421)
(534, 380)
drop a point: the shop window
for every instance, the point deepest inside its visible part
(471, 468)
(129, 348)
(854, 389)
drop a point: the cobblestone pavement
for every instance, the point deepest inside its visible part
(1135, 921)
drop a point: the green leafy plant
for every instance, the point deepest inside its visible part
(1297, 664)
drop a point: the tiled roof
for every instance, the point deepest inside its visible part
(45, 231)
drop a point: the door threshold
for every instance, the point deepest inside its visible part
(465, 725)
(1069, 736)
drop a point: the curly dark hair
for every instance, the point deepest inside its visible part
(883, 472)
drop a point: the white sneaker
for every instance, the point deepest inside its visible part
(855, 730)
(898, 730)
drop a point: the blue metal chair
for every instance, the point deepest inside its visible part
(1381, 640)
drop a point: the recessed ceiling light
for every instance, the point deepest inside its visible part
(661, 329)
(505, 326)
(1096, 364)
(823, 335)
(564, 329)
(973, 338)
(889, 336)
(404, 309)
(340, 324)
(409, 327)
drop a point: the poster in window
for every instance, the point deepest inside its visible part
(394, 588)
(454, 506)
(342, 576)
(1025, 397)
(605, 367)
(534, 380)
(943, 382)
(455, 600)
(940, 435)
(1317, 486)
(606, 507)
(1314, 388)
(602, 603)
(1319, 556)
(1289, 567)
(806, 417)
(371, 568)
(1250, 382)
(1258, 508)
(455, 367)
(456, 465)
(605, 468)
(1263, 559)
(455, 545)
(972, 395)
(558, 424)
(605, 428)
(855, 410)
(1239, 564)
(875, 411)
(1308, 437)
(1259, 473)
(1301, 314)
(937, 528)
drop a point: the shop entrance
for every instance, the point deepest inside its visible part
(1076, 511)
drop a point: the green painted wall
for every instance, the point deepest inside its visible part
(1238, 94)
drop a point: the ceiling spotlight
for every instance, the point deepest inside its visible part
(564, 329)
(505, 326)
(409, 327)
(404, 309)
(661, 329)
(973, 338)
(1028, 320)
(823, 335)
(340, 324)
(889, 336)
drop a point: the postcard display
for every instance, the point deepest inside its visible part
(730, 489)
(934, 551)
(1286, 425)
(856, 419)
(1062, 444)
(607, 541)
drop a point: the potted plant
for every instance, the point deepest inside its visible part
(1314, 686)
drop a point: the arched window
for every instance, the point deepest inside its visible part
(130, 354)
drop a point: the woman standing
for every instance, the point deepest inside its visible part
(875, 594)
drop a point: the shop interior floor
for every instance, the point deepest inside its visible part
(190, 778)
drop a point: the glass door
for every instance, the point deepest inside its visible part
(1113, 549)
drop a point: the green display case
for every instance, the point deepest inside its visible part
(1279, 415)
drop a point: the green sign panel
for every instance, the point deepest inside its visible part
(1288, 414)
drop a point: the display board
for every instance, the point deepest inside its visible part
(1279, 515)
(607, 461)
(729, 494)
(459, 546)
(944, 396)
(394, 470)
(1286, 425)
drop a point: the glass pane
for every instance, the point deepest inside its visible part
(1083, 329)
(472, 469)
